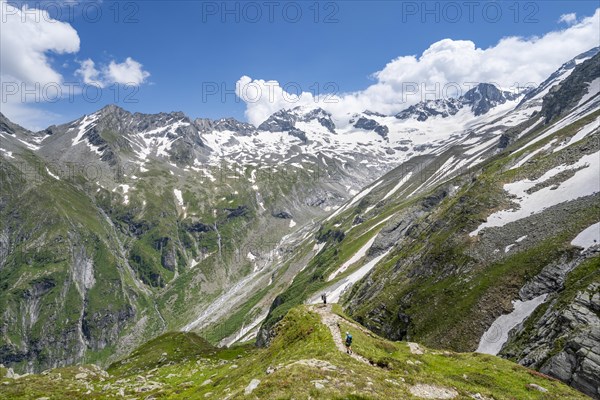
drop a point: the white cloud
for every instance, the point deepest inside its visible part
(27, 35)
(263, 98)
(129, 72)
(447, 67)
(568, 19)
(89, 73)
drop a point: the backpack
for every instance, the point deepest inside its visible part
(348, 340)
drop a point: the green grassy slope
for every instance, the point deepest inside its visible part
(302, 362)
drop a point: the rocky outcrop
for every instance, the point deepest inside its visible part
(568, 93)
(564, 342)
(556, 75)
(282, 215)
(480, 100)
(486, 96)
(285, 121)
(205, 125)
(431, 108)
(578, 362)
(372, 125)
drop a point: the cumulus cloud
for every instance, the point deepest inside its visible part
(447, 68)
(27, 35)
(129, 72)
(263, 98)
(88, 72)
(568, 19)
(28, 40)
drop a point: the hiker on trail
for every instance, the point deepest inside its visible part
(324, 298)
(348, 343)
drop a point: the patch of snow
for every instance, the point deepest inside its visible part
(243, 331)
(337, 289)
(84, 126)
(588, 237)
(251, 386)
(402, 181)
(7, 153)
(125, 190)
(292, 223)
(582, 133)
(575, 115)
(497, 334)
(593, 89)
(354, 200)
(178, 196)
(533, 154)
(318, 247)
(481, 147)
(584, 183)
(52, 175)
(357, 256)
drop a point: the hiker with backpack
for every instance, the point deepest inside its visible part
(348, 343)
(324, 298)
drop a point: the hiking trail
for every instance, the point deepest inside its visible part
(332, 321)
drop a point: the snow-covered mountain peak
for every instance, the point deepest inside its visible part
(485, 96)
(285, 120)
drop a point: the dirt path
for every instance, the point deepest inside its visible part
(332, 321)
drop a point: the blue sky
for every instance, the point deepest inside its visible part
(185, 45)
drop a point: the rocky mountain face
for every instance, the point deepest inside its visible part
(561, 338)
(569, 93)
(480, 100)
(113, 224)
(556, 77)
(119, 226)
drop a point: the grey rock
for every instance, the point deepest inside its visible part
(550, 279)
(372, 125)
(485, 96)
(537, 387)
(577, 325)
(251, 386)
(282, 215)
(431, 108)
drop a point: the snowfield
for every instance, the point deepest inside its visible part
(335, 291)
(357, 256)
(587, 238)
(497, 334)
(585, 182)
